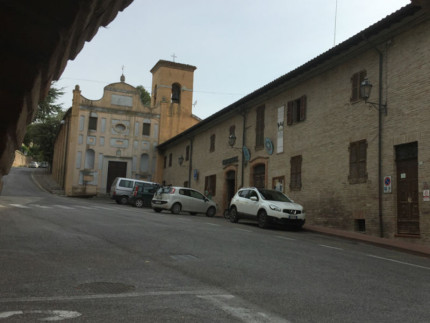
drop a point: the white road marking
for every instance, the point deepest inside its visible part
(64, 207)
(285, 238)
(399, 262)
(330, 247)
(213, 224)
(243, 230)
(102, 207)
(41, 206)
(241, 310)
(20, 206)
(55, 315)
(85, 207)
(2, 205)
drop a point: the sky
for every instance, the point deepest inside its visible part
(237, 46)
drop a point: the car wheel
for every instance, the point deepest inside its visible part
(123, 200)
(234, 218)
(138, 203)
(176, 208)
(210, 212)
(263, 220)
(157, 210)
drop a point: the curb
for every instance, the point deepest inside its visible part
(382, 242)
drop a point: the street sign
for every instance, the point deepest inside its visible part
(387, 184)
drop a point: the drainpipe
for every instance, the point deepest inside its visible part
(380, 184)
(190, 166)
(243, 145)
(380, 125)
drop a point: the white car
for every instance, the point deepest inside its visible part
(266, 206)
(176, 199)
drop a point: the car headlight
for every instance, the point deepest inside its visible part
(275, 208)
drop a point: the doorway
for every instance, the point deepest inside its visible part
(115, 169)
(230, 180)
(408, 221)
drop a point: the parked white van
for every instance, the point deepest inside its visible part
(122, 189)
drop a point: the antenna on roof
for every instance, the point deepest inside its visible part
(195, 103)
(335, 20)
(173, 56)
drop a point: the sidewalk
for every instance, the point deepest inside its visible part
(45, 181)
(383, 242)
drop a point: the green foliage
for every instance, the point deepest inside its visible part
(145, 97)
(40, 136)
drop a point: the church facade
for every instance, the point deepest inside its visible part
(117, 135)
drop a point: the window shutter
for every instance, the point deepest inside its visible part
(290, 111)
(303, 108)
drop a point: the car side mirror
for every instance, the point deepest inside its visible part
(254, 198)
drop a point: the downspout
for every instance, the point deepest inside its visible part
(243, 145)
(380, 112)
(190, 166)
(380, 184)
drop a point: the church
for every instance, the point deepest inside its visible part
(117, 135)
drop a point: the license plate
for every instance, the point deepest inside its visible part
(293, 216)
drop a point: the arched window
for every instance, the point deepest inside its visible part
(89, 159)
(144, 163)
(176, 93)
(259, 176)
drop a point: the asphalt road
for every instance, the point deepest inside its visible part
(91, 260)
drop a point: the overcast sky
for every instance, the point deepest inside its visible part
(237, 46)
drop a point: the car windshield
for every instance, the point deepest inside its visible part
(272, 195)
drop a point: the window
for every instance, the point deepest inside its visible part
(125, 183)
(144, 163)
(259, 128)
(210, 184)
(356, 80)
(89, 159)
(296, 173)
(212, 144)
(296, 110)
(176, 93)
(92, 123)
(170, 160)
(357, 162)
(165, 161)
(155, 95)
(187, 153)
(146, 130)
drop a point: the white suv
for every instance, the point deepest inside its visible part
(266, 206)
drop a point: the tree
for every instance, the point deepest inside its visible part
(145, 97)
(40, 136)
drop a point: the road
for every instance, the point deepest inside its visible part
(91, 260)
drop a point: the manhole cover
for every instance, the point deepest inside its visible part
(105, 288)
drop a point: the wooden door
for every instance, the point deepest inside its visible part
(260, 176)
(407, 191)
(115, 169)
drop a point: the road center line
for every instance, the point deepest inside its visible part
(330, 247)
(399, 262)
(20, 206)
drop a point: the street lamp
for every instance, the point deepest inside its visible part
(231, 140)
(365, 90)
(180, 160)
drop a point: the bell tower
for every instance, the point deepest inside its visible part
(172, 96)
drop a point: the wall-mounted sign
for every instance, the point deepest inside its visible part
(387, 184)
(231, 160)
(426, 195)
(268, 145)
(246, 154)
(196, 174)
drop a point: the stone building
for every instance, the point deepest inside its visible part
(356, 163)
(117, 136)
